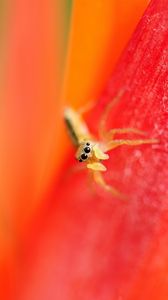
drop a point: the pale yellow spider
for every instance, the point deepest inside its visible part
(91, 151)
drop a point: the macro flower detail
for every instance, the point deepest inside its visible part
(60, 238)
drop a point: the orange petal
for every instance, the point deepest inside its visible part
(99, 32)
(28, 108)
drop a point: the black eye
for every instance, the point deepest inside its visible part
(87, 149)
(88, 144)
(80, 160)
(84, 156)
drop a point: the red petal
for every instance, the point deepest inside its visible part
(93, 246)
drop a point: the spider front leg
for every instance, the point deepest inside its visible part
(103, 133)
(86, 108)
(116, 143)
(104, 117)
(111, 133)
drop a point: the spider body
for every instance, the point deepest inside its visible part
(91, 151)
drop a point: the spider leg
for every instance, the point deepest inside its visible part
(90, 183)
(102, 126)
(87, 107)
(112, 132)
(99, 179)
(116, 143)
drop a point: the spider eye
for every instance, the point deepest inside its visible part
(80, 160)
(88, 144)
(87, 149)
(84, 156)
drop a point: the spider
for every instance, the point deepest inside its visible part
(91, 151)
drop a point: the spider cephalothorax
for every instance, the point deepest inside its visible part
(92, 154)
(84, 152)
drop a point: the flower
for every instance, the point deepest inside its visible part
(67, 242)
